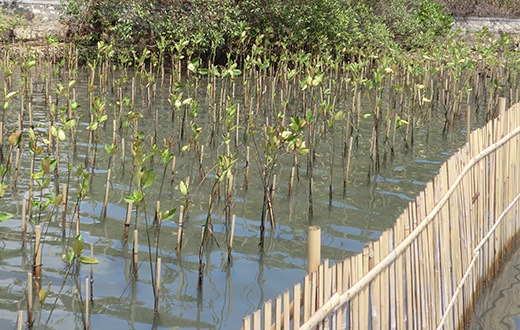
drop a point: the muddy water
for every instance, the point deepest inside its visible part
(229, 291)
(498, 307)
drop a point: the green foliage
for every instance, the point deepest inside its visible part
(8, 22)
(208, 28)
(4, 216)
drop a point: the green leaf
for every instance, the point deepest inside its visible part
(77, 245)
(68, 257)
(168, 215)
(11, 94)
(183, 188)
(4, 216)
(148, 178)
(42, 294)
(15, 138)
(129, 199)
(61, 135)
(88, 260)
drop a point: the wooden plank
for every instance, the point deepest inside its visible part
(286, 310)
(297, 305)
(384, 281)
(268, 311)
(355, 304)
(364, 294)
(257, 317)
(375, 286)
(306, 298)
(346, 284)
(278, 313)
(400, 305)
(246, 322)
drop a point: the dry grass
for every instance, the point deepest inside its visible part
(483, 8)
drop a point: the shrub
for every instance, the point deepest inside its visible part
(222, 26)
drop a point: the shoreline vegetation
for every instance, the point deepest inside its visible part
(243, 88)
(220, 31)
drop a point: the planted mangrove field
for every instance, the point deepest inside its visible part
(157, 189)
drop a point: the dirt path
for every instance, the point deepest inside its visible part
(495, 25)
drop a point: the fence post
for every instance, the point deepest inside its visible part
(501, 106)
(313, 248)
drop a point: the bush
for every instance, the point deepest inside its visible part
(213, 27)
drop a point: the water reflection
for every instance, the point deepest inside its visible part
(228, 291)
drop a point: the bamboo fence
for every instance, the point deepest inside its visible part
(427, 271)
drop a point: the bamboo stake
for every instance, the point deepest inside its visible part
(24, 221)
(157, 285)
(76, 217)
(173, 169)
(135, 251)
(16, 166)
(313, 249)
(231, 236)
(246, 175)
(87, 312)
(178, 248)
(291, 180)
(64, 202)
(37, 252)
(128, 218)
(29, 299)
(91, 275)
(105, 200)
(19, 321)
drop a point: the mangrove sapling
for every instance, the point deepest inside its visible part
(73, 258)
(224, 167)
(98, 116)
(184, 188)
(166, 157)
(227, 206)
(83, 177)
(111, 151)
(230, 239)
(276, 139)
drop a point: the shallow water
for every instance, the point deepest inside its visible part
(498, 306)
(229, 291)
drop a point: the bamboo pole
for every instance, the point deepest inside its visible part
(313, 248)
(107, 189)
(29, 300)
(91, 280)
(19, 321)
(135, 251)
(24, 221)
(87, 311)
(394, 254)
(128, 219)
(178, 248)
(64, 202)
(157, 285)
(37, 252)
